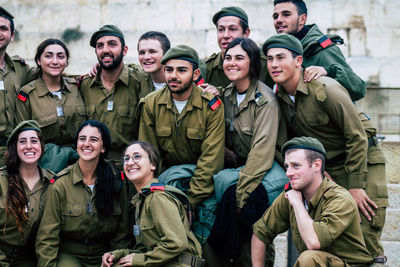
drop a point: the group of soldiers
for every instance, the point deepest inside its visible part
(173, 101)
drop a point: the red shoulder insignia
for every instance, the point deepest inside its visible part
(324, 41)
(275, 88)
(157, 186)
(22, 96)
(122, 176)
(199, 81)
(215, 103)
(52, 180)
(288, 187)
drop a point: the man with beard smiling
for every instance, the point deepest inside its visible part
(113, 94)
(184, 123)
(322, 57)
(14, 73)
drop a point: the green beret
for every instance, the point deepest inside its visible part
(283, 40)
(304, 143)
(106, 30)
(6, 13)
(183, 52)
(230, 11)
(24, 126)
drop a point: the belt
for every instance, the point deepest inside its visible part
(191, 260)
(86, 241)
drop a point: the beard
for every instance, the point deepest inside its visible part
(183, 89)
(114, 64)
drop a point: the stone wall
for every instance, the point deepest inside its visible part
(371, 28)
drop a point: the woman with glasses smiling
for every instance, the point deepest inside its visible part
(87, 211)
(161, 227)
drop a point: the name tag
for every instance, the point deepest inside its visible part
(110, 105)
(1, 85)
(136, 229)
(60, 112)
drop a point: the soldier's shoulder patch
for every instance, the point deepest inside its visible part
(53, 179)
(19, 59)
(260, 99)
(157, 186)
(324, 41)
(215, 103)
(22, 96)
(288, 187)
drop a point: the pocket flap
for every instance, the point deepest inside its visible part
(196, 133)
(47, 120)
(163, 131)
(72, 210)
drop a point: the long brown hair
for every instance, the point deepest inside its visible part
(16, 197)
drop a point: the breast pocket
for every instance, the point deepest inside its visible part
(48, 125)
(317, 118)
(72, 217)
(111, 223)
(195, 137)
(164, 138)
(147, 231)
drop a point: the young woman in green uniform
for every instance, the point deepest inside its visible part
(52, 100)
(23, 194)
(87, 211)
(161, 228)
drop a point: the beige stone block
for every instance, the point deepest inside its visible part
(392, 155)
(392, 252)
(379, 41)
(394, 195)
(281, 251)
(391, 230)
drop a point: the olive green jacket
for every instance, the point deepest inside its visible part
(195, 136)
(67, 217)
(164, 229)
(215, 72)
(37, 199)
(251, 132)
(122, 120)
(41, 105)
(323, 110)
(335, 215)
(332, 59)
(16, 74)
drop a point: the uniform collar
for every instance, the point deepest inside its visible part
(324, 186)
(8, 62)
(194, 99)
(76, 174)
(250, 93)
(43, 90)
(301, 87)
(123, 77)
(218, 61)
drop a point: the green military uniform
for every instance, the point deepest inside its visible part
(332, 59)
(164, 229)
(116, 109)
(335, 216)
(17, 249)
(146, 82)
(15, 74)
(38, 103)
(71, 229)
(215, 72)
(251, 132)
(323, 110)
(195, 136)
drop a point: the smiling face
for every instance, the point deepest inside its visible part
(286, 18)
(229, 28)
(6, 37)
(90, 144)
(137, 166)
(150, 55)
(109, 52)
(29, 147)
(53, 60)
(236, 64)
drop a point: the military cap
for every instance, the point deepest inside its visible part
(283, 40)
(106, 30)
(183, 52)
(304, 143)
(5, 12)
(230, 11)
(24, 126)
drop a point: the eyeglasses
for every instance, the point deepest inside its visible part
(135, 158)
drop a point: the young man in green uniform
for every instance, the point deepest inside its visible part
(184, 123)
(323, 109)
(14, 73)
(322, 57)
(112, 96)
(231, 23)
(322, 215)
